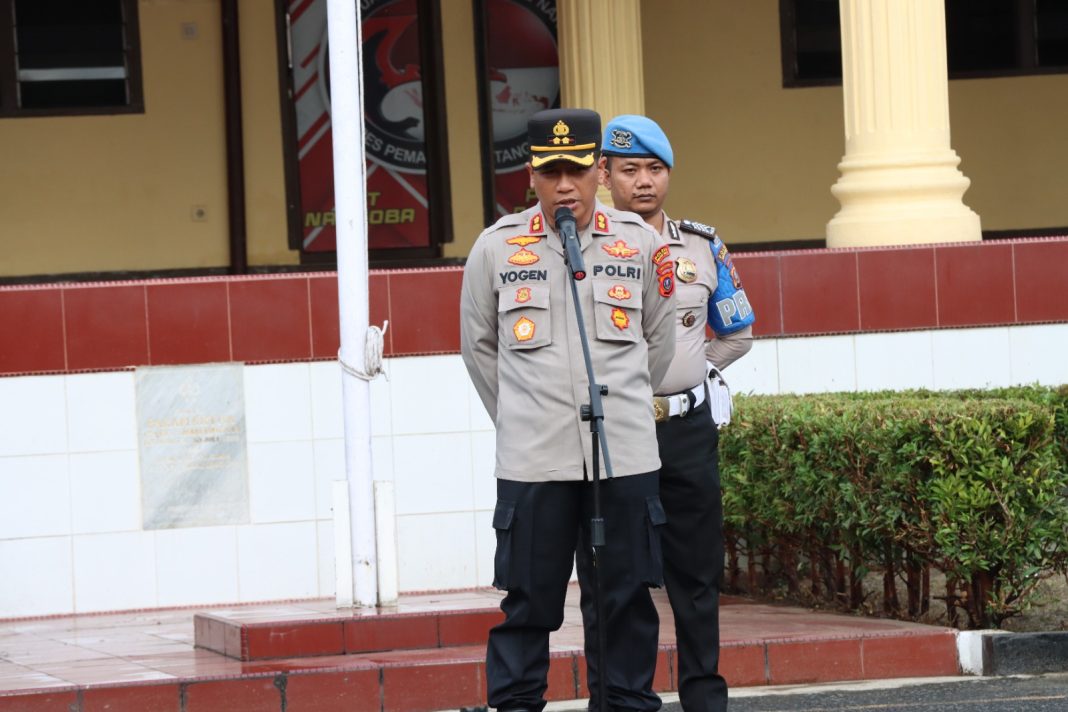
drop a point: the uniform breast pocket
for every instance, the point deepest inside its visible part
(523, 316)
(690, 315)
(617, 307)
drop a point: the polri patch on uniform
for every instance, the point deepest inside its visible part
(523, 258)
(618, 291)
(661, 254)
(688, 319)
(522, 295)
(620, 318)
(698, 228)
(620, 249)
(523, 240)
(523, 329)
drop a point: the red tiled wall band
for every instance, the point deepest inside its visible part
(108, 326)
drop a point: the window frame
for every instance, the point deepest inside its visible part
(1026, 63)
(9, 107)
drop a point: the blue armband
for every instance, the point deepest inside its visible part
(728, 307)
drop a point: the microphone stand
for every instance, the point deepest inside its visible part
(594, 413)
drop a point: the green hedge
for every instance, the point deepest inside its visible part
(825, 489)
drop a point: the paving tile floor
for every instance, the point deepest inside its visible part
(158, 646)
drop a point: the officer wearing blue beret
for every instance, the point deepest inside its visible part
(690, 402)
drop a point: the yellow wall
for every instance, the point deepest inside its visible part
(108, 193)
(1013, 142)
(265, 190)
(88, 193)
(461, 106)
(758, 160)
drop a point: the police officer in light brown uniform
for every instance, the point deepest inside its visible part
(520, 343)
(637, 167)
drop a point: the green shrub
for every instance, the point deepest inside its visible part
(830, 487)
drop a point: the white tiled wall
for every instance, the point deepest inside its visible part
(196, 565)
(114, 571)
(895, 361)
(101, 414)
(70, 501)
(33, 415)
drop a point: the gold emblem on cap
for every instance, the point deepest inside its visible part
(561, 131)
(686, 270)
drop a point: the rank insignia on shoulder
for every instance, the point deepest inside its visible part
(698, 228)
(600, 222)
(537, 224)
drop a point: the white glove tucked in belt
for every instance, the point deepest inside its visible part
(719, 396)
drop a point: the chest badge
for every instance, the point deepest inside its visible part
(689, 319)
(620, 319)
(618, 291)
(523, 329)
(523, 240)
(522, 295)
(523, 258)
(686, 270)
(620, 249)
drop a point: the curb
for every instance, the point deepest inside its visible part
(1024, 653)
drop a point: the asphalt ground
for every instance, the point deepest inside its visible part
(1040, 693)
(1017, 693)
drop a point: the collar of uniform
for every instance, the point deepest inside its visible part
(670, 232)
(600, 224)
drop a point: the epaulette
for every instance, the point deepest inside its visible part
(697, 228)
(506, 224)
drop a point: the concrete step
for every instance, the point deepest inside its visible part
(426, 654)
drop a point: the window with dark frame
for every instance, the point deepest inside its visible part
(984, 38)
(63, 57)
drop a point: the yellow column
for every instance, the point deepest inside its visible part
(601, 56)
(899, 183)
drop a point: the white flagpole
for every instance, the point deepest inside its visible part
(350, 191)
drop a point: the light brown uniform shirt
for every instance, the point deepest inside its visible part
(519, 340)
(696, 281)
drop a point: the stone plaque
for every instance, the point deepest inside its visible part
(191, 436)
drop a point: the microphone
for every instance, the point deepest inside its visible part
(565, 223)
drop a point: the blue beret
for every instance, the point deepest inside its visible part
(638, 136)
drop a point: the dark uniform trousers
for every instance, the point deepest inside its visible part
(692, 544)
(539, 526)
